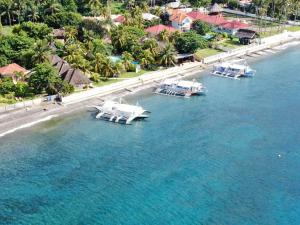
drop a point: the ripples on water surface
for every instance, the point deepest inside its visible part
(204, 160)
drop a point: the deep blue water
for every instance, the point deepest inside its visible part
(229, 158)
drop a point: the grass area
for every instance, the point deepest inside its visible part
(269, 33)
(6, 30)
(6, 101)
(132, 74)
(106, 82)
(117, 7)
(293, 28)
(230, 43)
(202, 53)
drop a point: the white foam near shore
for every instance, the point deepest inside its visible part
(28, 125)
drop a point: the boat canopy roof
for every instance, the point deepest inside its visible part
(182, 83)
(232, 65)
(122, 107)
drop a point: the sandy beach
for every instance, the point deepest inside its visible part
(14, 120)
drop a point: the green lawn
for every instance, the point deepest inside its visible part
(203, 53)
(132, 74)
(5, 101)
(105, 82)
(122, 76)
(293, 28)
(231, 44)
(269, 33)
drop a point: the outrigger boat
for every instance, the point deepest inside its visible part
(181, 88)
(233, 69)
(119, 112)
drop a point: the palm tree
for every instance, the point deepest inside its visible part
(152, 45)
(164, 36)
(33, 13)
(95, 6)
(7, 9)
(42, 51)
(70, 34)
(98, 61)
(167, 55)
(52, 6)
(107, 68)
(146, 58)
(127, 59)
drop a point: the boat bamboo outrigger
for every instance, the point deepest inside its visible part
(233, 69)
(119, 112)
(181, 88)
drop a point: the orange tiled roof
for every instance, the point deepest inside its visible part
(12, 69)
(179, 17)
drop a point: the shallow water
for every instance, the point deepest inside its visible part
(231, 157)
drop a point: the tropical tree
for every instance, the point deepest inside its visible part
(189, 42)
(107, 68)
(98, 62)
(152, 45)
(127, 60)
(42, 51)
(7, 10)
(52, 6)
(164, 36)
(146, 58)
(44, 78)
(33, 13)
(201, 27)
(167, 55)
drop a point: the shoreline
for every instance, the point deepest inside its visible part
(15, 120)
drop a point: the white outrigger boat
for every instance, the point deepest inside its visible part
(181, 88)
(120, 112)
(233, 69)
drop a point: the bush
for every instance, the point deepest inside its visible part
(189, 42)
(63, 19)
(21, 89)
(201, 27)
(6, 86)
(33, 30)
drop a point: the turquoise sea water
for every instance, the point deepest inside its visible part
(229, 158)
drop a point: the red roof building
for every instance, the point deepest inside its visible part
(234, 25)
(12, 70)
(214, 20)
(120, 19)
(196, 15)
(157, 29)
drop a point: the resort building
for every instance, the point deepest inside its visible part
(15, 71)
(181, 21)
(197, 15)
(157, 29)
(231, 27)
(246, 36)
(119, 19)
(72, 76)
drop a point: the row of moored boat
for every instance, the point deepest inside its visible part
(124, 113)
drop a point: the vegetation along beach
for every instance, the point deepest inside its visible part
(149, 112)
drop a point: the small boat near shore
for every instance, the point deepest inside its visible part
(233, 69)
(180, 88)
(119, 112)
